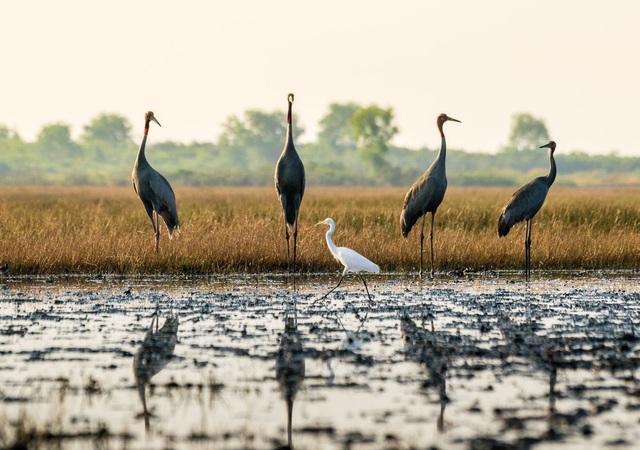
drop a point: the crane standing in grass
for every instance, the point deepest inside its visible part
(525, 203)
(426, 194)
(290, 181)
(153, 189)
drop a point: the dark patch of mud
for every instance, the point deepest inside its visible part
(457, 363)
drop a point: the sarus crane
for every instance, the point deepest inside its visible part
(426, 194)
(153, 189)
(290, 180)
(525, 203)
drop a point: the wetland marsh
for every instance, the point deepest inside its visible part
(470, 362)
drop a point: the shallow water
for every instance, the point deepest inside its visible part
(465, 362)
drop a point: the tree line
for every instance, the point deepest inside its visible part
(353, 147)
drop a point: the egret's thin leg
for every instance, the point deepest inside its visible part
(333, 289)
(365, 287)
(433, 216)
(421, 243)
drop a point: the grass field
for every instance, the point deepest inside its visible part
(55, 230)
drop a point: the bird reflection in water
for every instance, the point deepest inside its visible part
(548, 355)
(432, 351)
(153, 355)
(290, 364)
(351, 343)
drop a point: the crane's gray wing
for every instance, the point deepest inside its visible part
(523, 205)
(425, 195)
(163, 193)
(164, 200)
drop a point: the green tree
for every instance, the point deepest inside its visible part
(527, 133)
(7, 134)
(373, 129)
(55, 141)
(336, 133)
(109, 128)
(256, 139)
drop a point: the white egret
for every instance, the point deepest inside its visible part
(350, 259)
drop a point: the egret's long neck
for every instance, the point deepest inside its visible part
(551, 177)
(332, 247)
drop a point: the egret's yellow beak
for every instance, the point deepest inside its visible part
(319, 223)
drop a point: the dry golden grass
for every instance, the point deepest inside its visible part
(55, 230)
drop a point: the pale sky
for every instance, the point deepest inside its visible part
(573, 63)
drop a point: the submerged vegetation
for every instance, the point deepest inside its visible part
(58, 230)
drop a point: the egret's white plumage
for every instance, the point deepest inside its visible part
(350, 259)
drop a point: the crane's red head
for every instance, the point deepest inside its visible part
(290, 100)
(148, 117)
(550, 145)
(442, 118)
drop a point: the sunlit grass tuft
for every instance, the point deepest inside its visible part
(105, 230)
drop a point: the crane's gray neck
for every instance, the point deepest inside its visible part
(551, 177)
(142, 159)
(442, 154)
(289, 136)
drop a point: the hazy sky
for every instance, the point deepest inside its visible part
(575, 64)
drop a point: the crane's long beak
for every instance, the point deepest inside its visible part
(155, 120)
(547, 145)
(455, 120)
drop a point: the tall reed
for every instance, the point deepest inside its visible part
(56, 230)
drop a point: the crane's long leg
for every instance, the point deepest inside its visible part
(528, 265)
(433, 216)
(527, 249)
(290, 422)
(333, 289)
(295, 243)
(286, 236)
(421, 242)
(365, 286)
(156, 229)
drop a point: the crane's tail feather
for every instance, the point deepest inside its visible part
(290, 214)
(170, 220)
(406, 223)
(503, 226)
